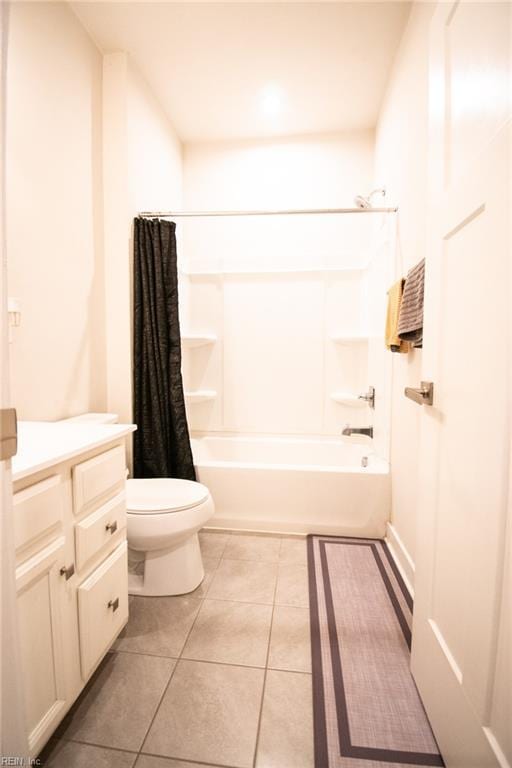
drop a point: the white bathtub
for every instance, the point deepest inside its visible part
(294, 485)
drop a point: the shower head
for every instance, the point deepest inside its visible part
(365, 202)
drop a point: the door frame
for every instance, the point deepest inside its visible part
(13, 737)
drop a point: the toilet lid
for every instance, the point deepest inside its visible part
(163, 494)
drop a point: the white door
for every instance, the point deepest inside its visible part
(12, 725)
(464, 455)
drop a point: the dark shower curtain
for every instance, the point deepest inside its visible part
(161, 442)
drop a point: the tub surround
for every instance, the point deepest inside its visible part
(71, 561)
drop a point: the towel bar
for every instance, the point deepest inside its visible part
(424, 395)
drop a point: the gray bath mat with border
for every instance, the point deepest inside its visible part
(366, 709)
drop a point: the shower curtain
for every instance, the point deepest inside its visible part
(161, 442)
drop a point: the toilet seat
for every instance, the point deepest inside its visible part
(163, 495)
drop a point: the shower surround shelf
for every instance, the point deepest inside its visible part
(347, 398)
(200, 395)
(193, 340)
(248, 272)
(350, 338)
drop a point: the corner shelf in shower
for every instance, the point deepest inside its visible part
(248, 272)
(353, 338)
(200, 395)
(192, 340)
(347, 398)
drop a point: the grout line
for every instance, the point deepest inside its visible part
(157, 706)
(253, 560)
(213, 576)
(187, 762)
(56, 739)
(260, 715)
(172, 675)
(201, 661)
(234, 600)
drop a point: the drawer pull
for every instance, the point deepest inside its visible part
(114, 604)
(112, 527)
(67, 572)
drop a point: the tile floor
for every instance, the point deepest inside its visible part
(220, 677)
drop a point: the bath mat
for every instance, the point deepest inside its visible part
(366, 709)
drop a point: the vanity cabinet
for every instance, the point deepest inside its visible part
(71, 578)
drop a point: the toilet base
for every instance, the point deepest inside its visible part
(173, 571)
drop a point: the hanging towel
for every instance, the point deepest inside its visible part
(410, 322)
(394, 300)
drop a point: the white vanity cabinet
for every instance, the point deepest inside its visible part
(71, 575)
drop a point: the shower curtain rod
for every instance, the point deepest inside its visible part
(288, 212)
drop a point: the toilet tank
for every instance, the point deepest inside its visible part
(97, 418)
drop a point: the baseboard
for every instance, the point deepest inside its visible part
(401, 556)
(253, 531)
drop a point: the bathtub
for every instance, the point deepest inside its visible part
(294, 485)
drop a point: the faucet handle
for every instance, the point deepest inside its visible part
(369, 397)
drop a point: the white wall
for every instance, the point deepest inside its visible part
(154, 150)
(401, 164)
(142, 170)
(275, 289)
(54, 213)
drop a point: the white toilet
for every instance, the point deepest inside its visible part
(164, 516)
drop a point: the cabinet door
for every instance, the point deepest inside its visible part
(39, 587)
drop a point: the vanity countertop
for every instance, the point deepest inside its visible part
(42, 444)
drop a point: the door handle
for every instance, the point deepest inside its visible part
(424, 395)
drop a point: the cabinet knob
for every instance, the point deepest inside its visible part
(67, 572)
(114, 604)
(112, 527)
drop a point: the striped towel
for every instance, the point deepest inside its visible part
(410, 322)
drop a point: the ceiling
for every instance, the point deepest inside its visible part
(247, 70)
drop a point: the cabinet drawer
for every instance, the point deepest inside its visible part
(100, 529)
(102, 608)
(98, 477)
(38, 509)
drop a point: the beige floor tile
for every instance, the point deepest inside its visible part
(294, 551)
(213, 544)
(286, 732)
(69, 754)
(117, 707)
(230, 633)
(210, 565)
(209, 714)
(158, 625)
(147, 761)
(250, 582)
(290, 645)
(244, 547)
(292, 585)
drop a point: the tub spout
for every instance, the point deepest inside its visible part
(348, 430)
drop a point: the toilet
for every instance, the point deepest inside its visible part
(164, 516)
